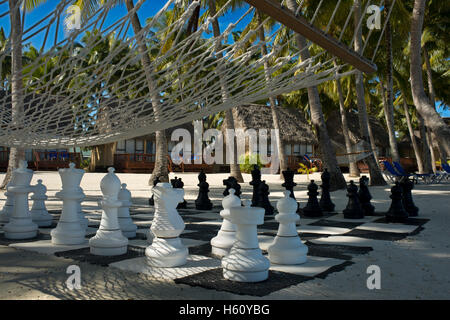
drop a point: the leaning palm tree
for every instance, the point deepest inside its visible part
(328, 153)
(421, 101)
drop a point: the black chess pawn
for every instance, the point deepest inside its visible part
(203, 202)
(408, 203)
(232, 183)
(396, 212)
(151, 201)
(289, 185)
(177, 183)
(263, 198)
(365, 196)
(325, 200)
(256, 181)
(312, 208)
(353, 209)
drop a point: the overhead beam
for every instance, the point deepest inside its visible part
(304, 28)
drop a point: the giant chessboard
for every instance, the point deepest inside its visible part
(333, 244)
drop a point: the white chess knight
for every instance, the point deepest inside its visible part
(20, 224)
(245, 262)
(69, 230)
(109, 240)
(222, 243)
(39, 213)
(287, 248)
(166, 249)
(126, 223)
(8, 208)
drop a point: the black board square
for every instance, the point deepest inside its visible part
(40, 236)
(376, 235)
(84, 255)
(213, 279)
(410, 221)
(335, 251)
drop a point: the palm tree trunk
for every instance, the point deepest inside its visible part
(372, 142)
(421, 101)
(161, 168)
(376, 178)
(426, 155)
(235, 170)
(276, 123)
(353, 167)
(413, 137)
(328, 153)
(17, 109)
(442, 153)
(430, 145)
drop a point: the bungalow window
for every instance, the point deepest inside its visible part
(120, 146)
(287, 149)
(139, 146)
(309, 149)
(130, 146)
(150, 147)
(302, 149)
(296, 149)
(29, 155)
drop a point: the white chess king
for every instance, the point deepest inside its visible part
(166, 249)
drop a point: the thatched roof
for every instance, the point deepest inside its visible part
(334, 125)
(293, 126)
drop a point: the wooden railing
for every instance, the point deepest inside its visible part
(53, 160)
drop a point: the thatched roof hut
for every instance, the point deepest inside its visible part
(293, 126)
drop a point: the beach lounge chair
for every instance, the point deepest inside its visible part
(391, 174)
(426, 177)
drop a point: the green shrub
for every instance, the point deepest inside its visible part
(248, 162)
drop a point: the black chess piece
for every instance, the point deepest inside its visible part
(325, 200)
(312, 208)
(365, 196)
(232, 183)
(203, 202)
(408, 203)
(396, 212)
(263, 198)
(151, 201)
(256, 181)
(289, 185)
(353, 209)
(177, 183)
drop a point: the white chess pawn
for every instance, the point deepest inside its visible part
(287, 248)
(20, 225)
(222, 243)
(39, 213)
(166, 249)
(109, 240)
(245, 262)
(83, 220)
(69, 230)
(126, 223)
(8, 208)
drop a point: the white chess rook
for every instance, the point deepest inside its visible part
(8, 208)
(126, 223)
(109, 240)
(39, 213)
(245, 262)
(83, 220)
(287, 247)
(166, 249)
(20, 225)
(69, 230)
(222, 243)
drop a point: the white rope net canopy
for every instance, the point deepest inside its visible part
(76, 93)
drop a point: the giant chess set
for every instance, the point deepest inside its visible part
(243, 246)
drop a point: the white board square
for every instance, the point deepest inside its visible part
(312, 267)
(46, 246)
(387, 227)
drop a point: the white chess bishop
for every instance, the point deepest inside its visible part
(287, 248)
(39, 212)
(166, 249)
(126, 223)
(20, 224)
(109, 240)
(245, 262)
(69, 230)
(222, 243)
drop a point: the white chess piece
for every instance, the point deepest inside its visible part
(39, 213)
(8, 208)
(222, 243)
(287, 248)
(83, 220)
(166, 249)
(126, 223)
(109, 240)
(69, 230)
(245, 262)
(20, 225)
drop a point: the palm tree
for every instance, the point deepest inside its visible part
(422, 102)
(376, 178)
